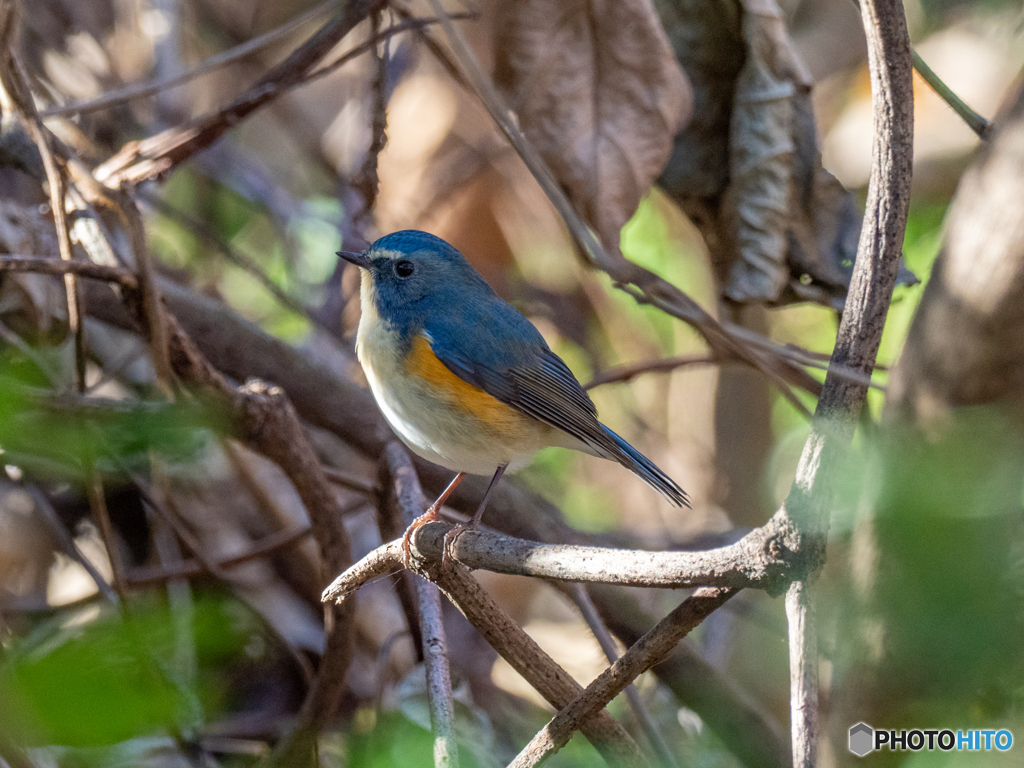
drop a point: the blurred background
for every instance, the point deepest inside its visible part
(209, 671)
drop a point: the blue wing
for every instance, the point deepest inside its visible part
(493, 347)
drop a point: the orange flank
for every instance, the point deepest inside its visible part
(422, 363)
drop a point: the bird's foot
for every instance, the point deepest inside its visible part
(432, 514)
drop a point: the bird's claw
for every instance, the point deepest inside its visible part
(431, 515)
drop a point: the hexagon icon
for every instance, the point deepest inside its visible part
(862, 737)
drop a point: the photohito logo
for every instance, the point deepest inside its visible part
(865, 739)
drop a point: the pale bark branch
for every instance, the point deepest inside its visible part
(640, 657)
(747, 563)
(382, 560)
(803, 673)
(860, 332)
(411, 502)
(529, 660)
(586, 606)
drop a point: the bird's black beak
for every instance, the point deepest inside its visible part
(359, 259)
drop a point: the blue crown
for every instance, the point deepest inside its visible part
(412, 240)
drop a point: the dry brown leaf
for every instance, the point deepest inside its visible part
(756, 206)
(598, 90)
(747, 169)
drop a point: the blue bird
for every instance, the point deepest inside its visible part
(465, 380)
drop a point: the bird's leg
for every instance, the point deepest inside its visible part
(433, 513)
(454, 533)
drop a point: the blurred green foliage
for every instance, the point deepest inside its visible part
(35, 425)
(939, 623)
(89, 680)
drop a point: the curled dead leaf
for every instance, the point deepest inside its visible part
(597, 89)
(747, 170)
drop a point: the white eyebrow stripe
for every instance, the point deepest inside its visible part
(388, 254)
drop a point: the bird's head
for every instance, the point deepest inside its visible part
(407, 270)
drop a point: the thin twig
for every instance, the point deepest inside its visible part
(268, 545)
(623, 373)
(974, 121)
(366, 182)
(640, 657)
(411, 502)
(629, 372)
(586, 606)
(98, 508)
(54, 266)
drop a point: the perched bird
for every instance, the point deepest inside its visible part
(464, 379)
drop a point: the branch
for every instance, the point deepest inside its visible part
(749, 562)
(640, 657)
(54, 266)
(529, 660)
(498, 628)
(803, 673)
(408, 496)
(581, 598)
(974, 121)
(753, 561)
(857, 341)
(147, 159)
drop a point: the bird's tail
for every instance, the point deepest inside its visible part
(642, 467)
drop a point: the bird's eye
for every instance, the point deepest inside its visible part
(405, 268)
